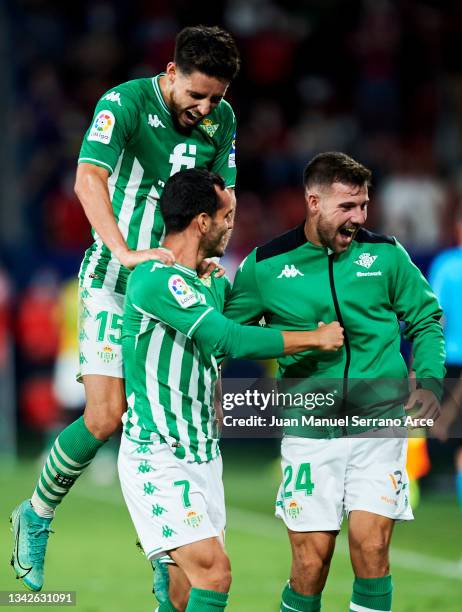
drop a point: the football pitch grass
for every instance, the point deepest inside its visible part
(93, 550)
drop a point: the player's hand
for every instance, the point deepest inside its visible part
(427, 403)
(130, 259)
(330, 336)
(208, 266)
(440, 429)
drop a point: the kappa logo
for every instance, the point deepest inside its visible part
(154, 121)
(113, 96)
(290, 272)
(156, 265)
(366, 260)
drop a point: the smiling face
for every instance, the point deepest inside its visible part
(335, 213)
(191, 97)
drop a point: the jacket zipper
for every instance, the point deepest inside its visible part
(345, 336)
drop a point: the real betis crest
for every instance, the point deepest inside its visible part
(209, 127)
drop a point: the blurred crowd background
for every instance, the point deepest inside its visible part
(378, 79)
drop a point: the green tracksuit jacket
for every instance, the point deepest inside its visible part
(369, 289)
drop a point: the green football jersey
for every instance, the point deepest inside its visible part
(170, 379)
(369, 288)
(133, 136)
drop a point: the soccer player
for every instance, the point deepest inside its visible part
(173, 337)
(142, 132)
(330, 266)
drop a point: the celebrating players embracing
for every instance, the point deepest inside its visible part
(142, 132)
(174, 336)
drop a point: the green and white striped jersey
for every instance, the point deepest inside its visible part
(132, 135)
(170, 377)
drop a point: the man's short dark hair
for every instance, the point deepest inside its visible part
(187, 194)
(209, 50)
(335, 167)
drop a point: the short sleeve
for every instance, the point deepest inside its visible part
(162, 294)
(113, 123)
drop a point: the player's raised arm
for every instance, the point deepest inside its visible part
(91, 187)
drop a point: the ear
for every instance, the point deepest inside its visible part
(312, 202)
(171, 71)
(203, 222)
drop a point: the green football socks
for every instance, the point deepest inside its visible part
(291, 600)
(72, 451)
(206, 601)
(371, 594)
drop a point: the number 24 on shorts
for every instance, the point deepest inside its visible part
(303, 480)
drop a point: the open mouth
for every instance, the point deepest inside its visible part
(191, 118)
(348, 232)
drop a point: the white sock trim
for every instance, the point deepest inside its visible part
(357, 608)
(41, 508)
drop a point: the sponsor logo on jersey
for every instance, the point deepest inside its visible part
(232, 153)
(290, 272)
(102, 127)
(179, 157)
(209, 127)
(193, 519)
(366, 260)
(181, 291)
(293, 509)
(154, 121)
(113, 96)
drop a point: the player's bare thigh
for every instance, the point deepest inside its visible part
(311, 556)
(369, 537)
(105, 404)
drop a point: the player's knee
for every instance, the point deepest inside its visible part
(309, 568)
(102, 417)
(374, 551)
(215, 575)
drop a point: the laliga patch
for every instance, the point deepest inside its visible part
(181, 291)
(232, 153)
(102, 127)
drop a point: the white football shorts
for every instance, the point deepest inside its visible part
(323, 479)
(171, 502)
(100, 332)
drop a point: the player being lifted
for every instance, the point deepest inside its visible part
(174, 333)
(142, 132)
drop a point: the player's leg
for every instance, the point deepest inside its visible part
(369, 538)
(311, 556)
(76, 446)
(376, 495)
(172, 505)
(310, 502)
(171, 585)
(208, 570)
